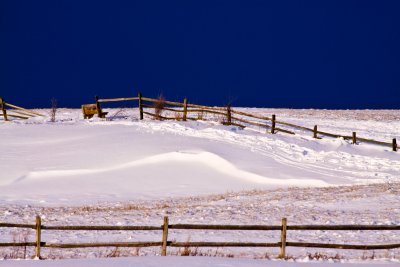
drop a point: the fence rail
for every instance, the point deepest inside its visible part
(268, 123)
(16, 111)
(164, 243)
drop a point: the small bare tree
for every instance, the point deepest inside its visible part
(159, 106)
(53, 109)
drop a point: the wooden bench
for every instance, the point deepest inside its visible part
(89, 110)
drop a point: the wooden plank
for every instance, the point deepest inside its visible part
(17, 225)
(118, 99)
(161, 117)
(251, 115)
(102, 228)
(294, 126)
(354, 138)
(251, 122)
(38, 236)
(350, 227)
(221, 244)
(224, 227)
(24, 109)
(394, 144)
(206, 107)
(166, 102)
(20, 112)
(365, 140)
(96, 245)
(164, 237)
(20, 244)
(164, 108)
(282, 253)
(342, 246)
(315, 135)
(238, 125)
(283, 130)
(17, 116)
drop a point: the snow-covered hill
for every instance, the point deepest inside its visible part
(123, 170)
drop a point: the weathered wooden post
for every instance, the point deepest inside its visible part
(315, 131)
(273, 124)
(228, 115)
(3, 108)
(98, 107)
(38, 236)
(282, 253)
(394, 144)
(164, 237)
(140, 106)
(184, 109)
(354, 138)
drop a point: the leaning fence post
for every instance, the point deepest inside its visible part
(282, 254)
(184, 109)
(273, 124)
(228, 115)
(140, 106)
(315, 131)
(164, 237)
(394, 144)
(38, 236)
(3, 108)
(354, 137)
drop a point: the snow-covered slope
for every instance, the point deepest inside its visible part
(124, 171)
(77, 161)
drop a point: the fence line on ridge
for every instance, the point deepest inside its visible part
(229, 115)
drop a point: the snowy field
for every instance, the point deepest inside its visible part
(123, 171)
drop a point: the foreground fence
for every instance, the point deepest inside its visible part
(229, 116)
(165, 227)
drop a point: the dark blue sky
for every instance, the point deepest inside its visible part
(295, 54)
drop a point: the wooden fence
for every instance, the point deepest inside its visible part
(16, 111)
(230, 116)
(165, 227)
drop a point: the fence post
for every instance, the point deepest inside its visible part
(3, 108)
(164, 237)
(394, 144)
(315, 131)
(273, 124)
(282, 254)
(354, 138)
(184, 109)
(228, 115)
(140, 106)
(38, 236)
(99, 113)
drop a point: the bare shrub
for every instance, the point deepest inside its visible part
(178, 116)
(18, 252)
(200, 115)
(53, 109)
(159, 107)
(114, 253)
(120, 113)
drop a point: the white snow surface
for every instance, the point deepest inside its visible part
(123, 171)
(75, 161)
(185, 262)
